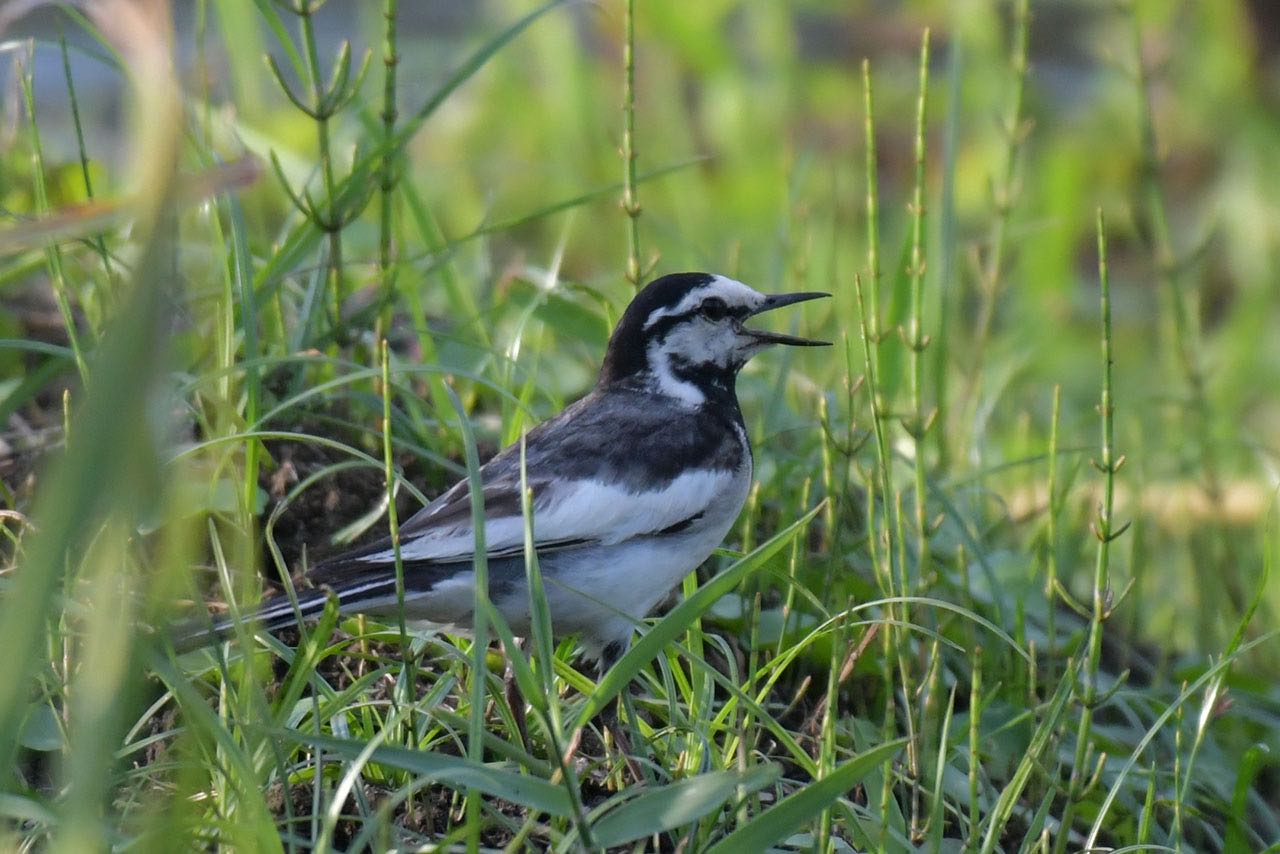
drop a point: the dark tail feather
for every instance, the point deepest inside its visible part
(275, 613)
(355, 592)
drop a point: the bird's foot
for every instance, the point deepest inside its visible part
(612, 730)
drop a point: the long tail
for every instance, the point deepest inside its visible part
(357, 589)
(275, 613)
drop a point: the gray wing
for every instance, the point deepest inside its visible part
(597, 476)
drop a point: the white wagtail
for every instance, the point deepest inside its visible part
(633, 486)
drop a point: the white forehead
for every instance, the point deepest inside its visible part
(734, 293)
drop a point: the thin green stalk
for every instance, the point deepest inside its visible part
(225, 340)
(240, 262)
(1106, 532)
(869, 312)
(750, 517)
(917, 341)
(53, 253)
(99, 243)
(873, 208)
(1005, 190)
(917, 424)
(938, 801)
(869, 318)
(746, 744)
(975, 718)
(793, 565)
(1045, 733)
(546, 701)
(390, 176)
(888, 731)
(1148, 809)
(480, 622)
(830, 515)
(903, 660)
(695, 643)
(345, 199)
(331, 224)
(393, 527)
(630, 201)
(885, 575)
(947, 230)
(697, 688)
(1051, 532)
(881, 469)
(1175, 832)
(827, 736)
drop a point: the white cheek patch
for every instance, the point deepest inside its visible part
(701, 342)
(696, 342)
(671, 385)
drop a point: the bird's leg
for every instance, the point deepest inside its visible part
(611, 724)
(515, 699)
(609, 719)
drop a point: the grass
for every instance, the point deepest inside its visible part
(1004, 583)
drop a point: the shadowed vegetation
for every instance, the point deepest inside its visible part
(272, 274)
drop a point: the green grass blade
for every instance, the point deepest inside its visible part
(682, 616)
(663, 808)
(793, 811)
(1044, 733)
(455, 772)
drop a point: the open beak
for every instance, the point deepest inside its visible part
(778, 301)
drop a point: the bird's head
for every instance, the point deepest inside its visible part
(684, 334)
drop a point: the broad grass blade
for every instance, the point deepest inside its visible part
(793, 811)
(455, 772)
(679, 803)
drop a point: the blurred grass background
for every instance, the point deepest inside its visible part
(231, 421)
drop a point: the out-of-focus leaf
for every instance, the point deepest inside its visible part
(676, 804)
(40, 731)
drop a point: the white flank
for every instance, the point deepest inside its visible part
(586, 510)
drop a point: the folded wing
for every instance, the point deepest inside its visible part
(565, 514)
(607, 469)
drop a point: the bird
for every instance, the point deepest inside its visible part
(633, 487)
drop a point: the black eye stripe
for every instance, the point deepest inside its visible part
(657, 330)
(663, 325)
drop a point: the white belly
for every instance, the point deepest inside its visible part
(600, 591)
(604, 591)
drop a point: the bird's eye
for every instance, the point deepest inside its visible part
(714, 308)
